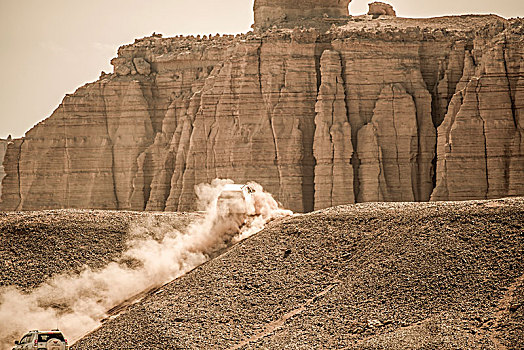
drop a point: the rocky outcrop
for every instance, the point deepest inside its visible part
(379, 9)
(255, 114)
(11, 183)
(269, 12)
(317, 118)
(382, 112)
(3, 150)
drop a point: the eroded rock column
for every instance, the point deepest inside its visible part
(10, 199)
(332, 145)
(388, 148)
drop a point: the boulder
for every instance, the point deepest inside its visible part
(141, 66)
(378, 8)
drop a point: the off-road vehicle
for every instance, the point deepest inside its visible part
(237, 200)
(39, 340)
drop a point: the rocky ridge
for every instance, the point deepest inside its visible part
(446, 275)
(320, 111)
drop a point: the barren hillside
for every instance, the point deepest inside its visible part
(371, 276)
(35, 246)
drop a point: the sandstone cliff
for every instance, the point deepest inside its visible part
(3, 150)
(326, 114)
(481, 141)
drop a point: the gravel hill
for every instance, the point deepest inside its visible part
(35, 246)
(371, 276)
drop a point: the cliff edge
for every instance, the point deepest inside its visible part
(321, 112)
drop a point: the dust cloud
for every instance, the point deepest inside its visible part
(76, 304)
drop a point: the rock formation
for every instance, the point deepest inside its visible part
(388, 148)
(481, 141)
(269, 12)
(378, 8)
(332, 145)
(323, 114)
(3, 150)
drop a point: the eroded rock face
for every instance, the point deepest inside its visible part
(480, 143)
(318, 118)
(3, 150)
(269, 12)
(10, 183)
(388, 148)
(380, 8)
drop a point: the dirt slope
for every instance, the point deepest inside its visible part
(37, 245)
(372, 276)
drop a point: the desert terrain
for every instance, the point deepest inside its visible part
(384, 163)
(380, 275)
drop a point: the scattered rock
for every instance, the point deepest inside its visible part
(407, 284)
(82, 238)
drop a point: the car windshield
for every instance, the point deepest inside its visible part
(44, 337)
(231, 195)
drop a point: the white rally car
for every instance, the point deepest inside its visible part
(236, 200)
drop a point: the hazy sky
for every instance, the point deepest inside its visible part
(51, 47)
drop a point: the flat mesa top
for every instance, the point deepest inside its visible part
(451, 23)
(464, 23)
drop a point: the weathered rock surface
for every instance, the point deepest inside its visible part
(269, 12)
(368, 276)
(322, 115)
(388, 148)
(378, 8)
(3, 150)
(10, 183)
(481, 141)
